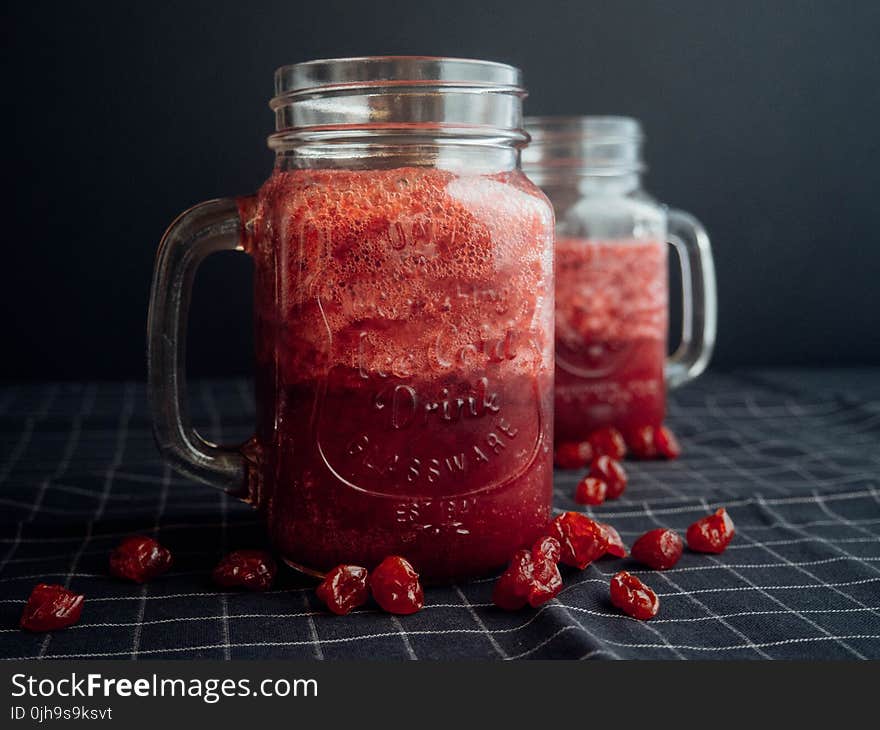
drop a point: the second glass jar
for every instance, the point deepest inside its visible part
(612, 279)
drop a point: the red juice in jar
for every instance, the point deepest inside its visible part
(611, 328)
(404, 372)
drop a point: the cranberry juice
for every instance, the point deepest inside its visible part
(611, 325)
(404, 367)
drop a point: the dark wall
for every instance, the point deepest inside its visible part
(762, 119)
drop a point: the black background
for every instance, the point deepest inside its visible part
(762, 119)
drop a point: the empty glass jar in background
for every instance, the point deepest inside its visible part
(403, 270)
(612, 278)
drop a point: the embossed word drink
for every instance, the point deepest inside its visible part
(404, 321)
(612, 279)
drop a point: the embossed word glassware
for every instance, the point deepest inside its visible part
(612, 279)
(404, 320)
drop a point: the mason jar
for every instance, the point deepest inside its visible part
(403, 321)
(612, 279)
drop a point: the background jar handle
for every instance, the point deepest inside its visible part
(198, 232)
(699, 299)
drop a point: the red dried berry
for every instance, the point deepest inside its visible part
(51, 607)
(612, 473)
(641, 442)
(608, 441)
(633, 597)
(590, 491)
(139, 559)
(532, 577)
(511, 591)
(253, 570)
(546, 578)
(650, 442)
(581, 539)
(666, 444)
(659, 549)
(711, 534)
(344, 588)
(613, 543)
(395, 586)
(573, 454)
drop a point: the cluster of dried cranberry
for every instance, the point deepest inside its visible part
(394, 585)
(140, 559)
(645, 442)
(576, 540)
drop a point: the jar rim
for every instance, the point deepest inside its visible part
(564, 148)
(354, 72)
(591, 127)
(406, 100)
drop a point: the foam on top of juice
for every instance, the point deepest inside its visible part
(610, 290)
(407, 271)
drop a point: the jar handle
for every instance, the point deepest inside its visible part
(204, 229)
(699, 299)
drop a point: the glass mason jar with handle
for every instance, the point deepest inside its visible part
(612, 367)
(403, 321)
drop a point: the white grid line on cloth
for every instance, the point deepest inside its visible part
(442, 632)
(407, 644)
(634, 570)
(784, 605)
(579, 609)
(160, 512)
(794, 541)
(313, 629)
(217, 436)
(448, 632)
(575, 624)
(16, 454)
(803, 570)
(479, 622)
(712, 614)
(86, 405)
(27, 433)
(858, 528)
(125, 415)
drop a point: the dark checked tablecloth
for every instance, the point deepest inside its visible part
(795, 457)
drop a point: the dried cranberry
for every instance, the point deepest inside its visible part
(51, 607)
(344, 588)
(666, 444)
(612, 473)
(590, 491)
(641, 442)
(511, 591)
(395, 586)
(711, 534)
(613, 544)
(608, 441)
(546, 578)
(573, 454)
(251, 569)
(633, 597)
(650, 442)
(581, 539)
(659, 549)
(139, 559)
(532, 577)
